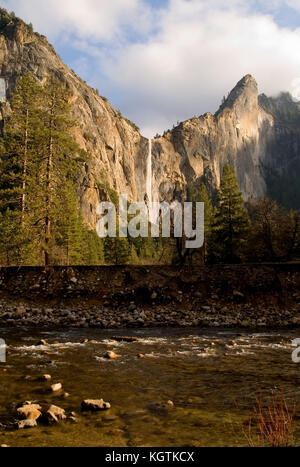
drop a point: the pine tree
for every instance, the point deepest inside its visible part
(93, 249)
(231, 220)
(203, 197)
(39, 162)
(58, 161)
(197, 194)
(20, 140)
(10, 243)
(68, 230)
(117, 250)
(17, 157)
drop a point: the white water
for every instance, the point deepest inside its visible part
(149, 180)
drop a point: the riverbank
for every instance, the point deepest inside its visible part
(247, 296)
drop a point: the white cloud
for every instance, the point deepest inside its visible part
(97, 20)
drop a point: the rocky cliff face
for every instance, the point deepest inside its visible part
(258, 136)
(118, 151)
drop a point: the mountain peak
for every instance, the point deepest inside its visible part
(13, 27)
(244, 93)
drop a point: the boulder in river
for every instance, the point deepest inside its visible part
(94, 405)
(55, 414)
(30, 412)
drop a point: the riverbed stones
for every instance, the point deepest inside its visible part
(208, 302)
(90, 405)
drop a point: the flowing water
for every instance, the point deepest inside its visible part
(149, 180)
(212, 376)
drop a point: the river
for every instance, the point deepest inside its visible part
(212, 376)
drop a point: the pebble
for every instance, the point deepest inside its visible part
(46, 377)
(56, 387)
(111, 356)
(94, 405)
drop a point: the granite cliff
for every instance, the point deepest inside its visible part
(259, 136)
(118, 152)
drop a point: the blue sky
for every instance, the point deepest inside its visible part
(163, 61)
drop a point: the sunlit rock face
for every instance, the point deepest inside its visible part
(237, 134)
(257, 135)
(118, 153)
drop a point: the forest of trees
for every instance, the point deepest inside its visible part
(40, 221)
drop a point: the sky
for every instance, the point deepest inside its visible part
(164, 61)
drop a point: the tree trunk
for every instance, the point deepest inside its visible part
(48, 194)
(25, 161)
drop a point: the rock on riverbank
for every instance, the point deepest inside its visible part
(130, 297)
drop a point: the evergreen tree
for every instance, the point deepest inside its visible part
(68, 229)
(20, 142)
(10, 242)
(203, 197)
(57, 162)
(197, 194)
(93, 249)
(231, 221)
(117, 251)
(17, 157)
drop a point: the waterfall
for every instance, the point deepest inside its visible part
(149, 180)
